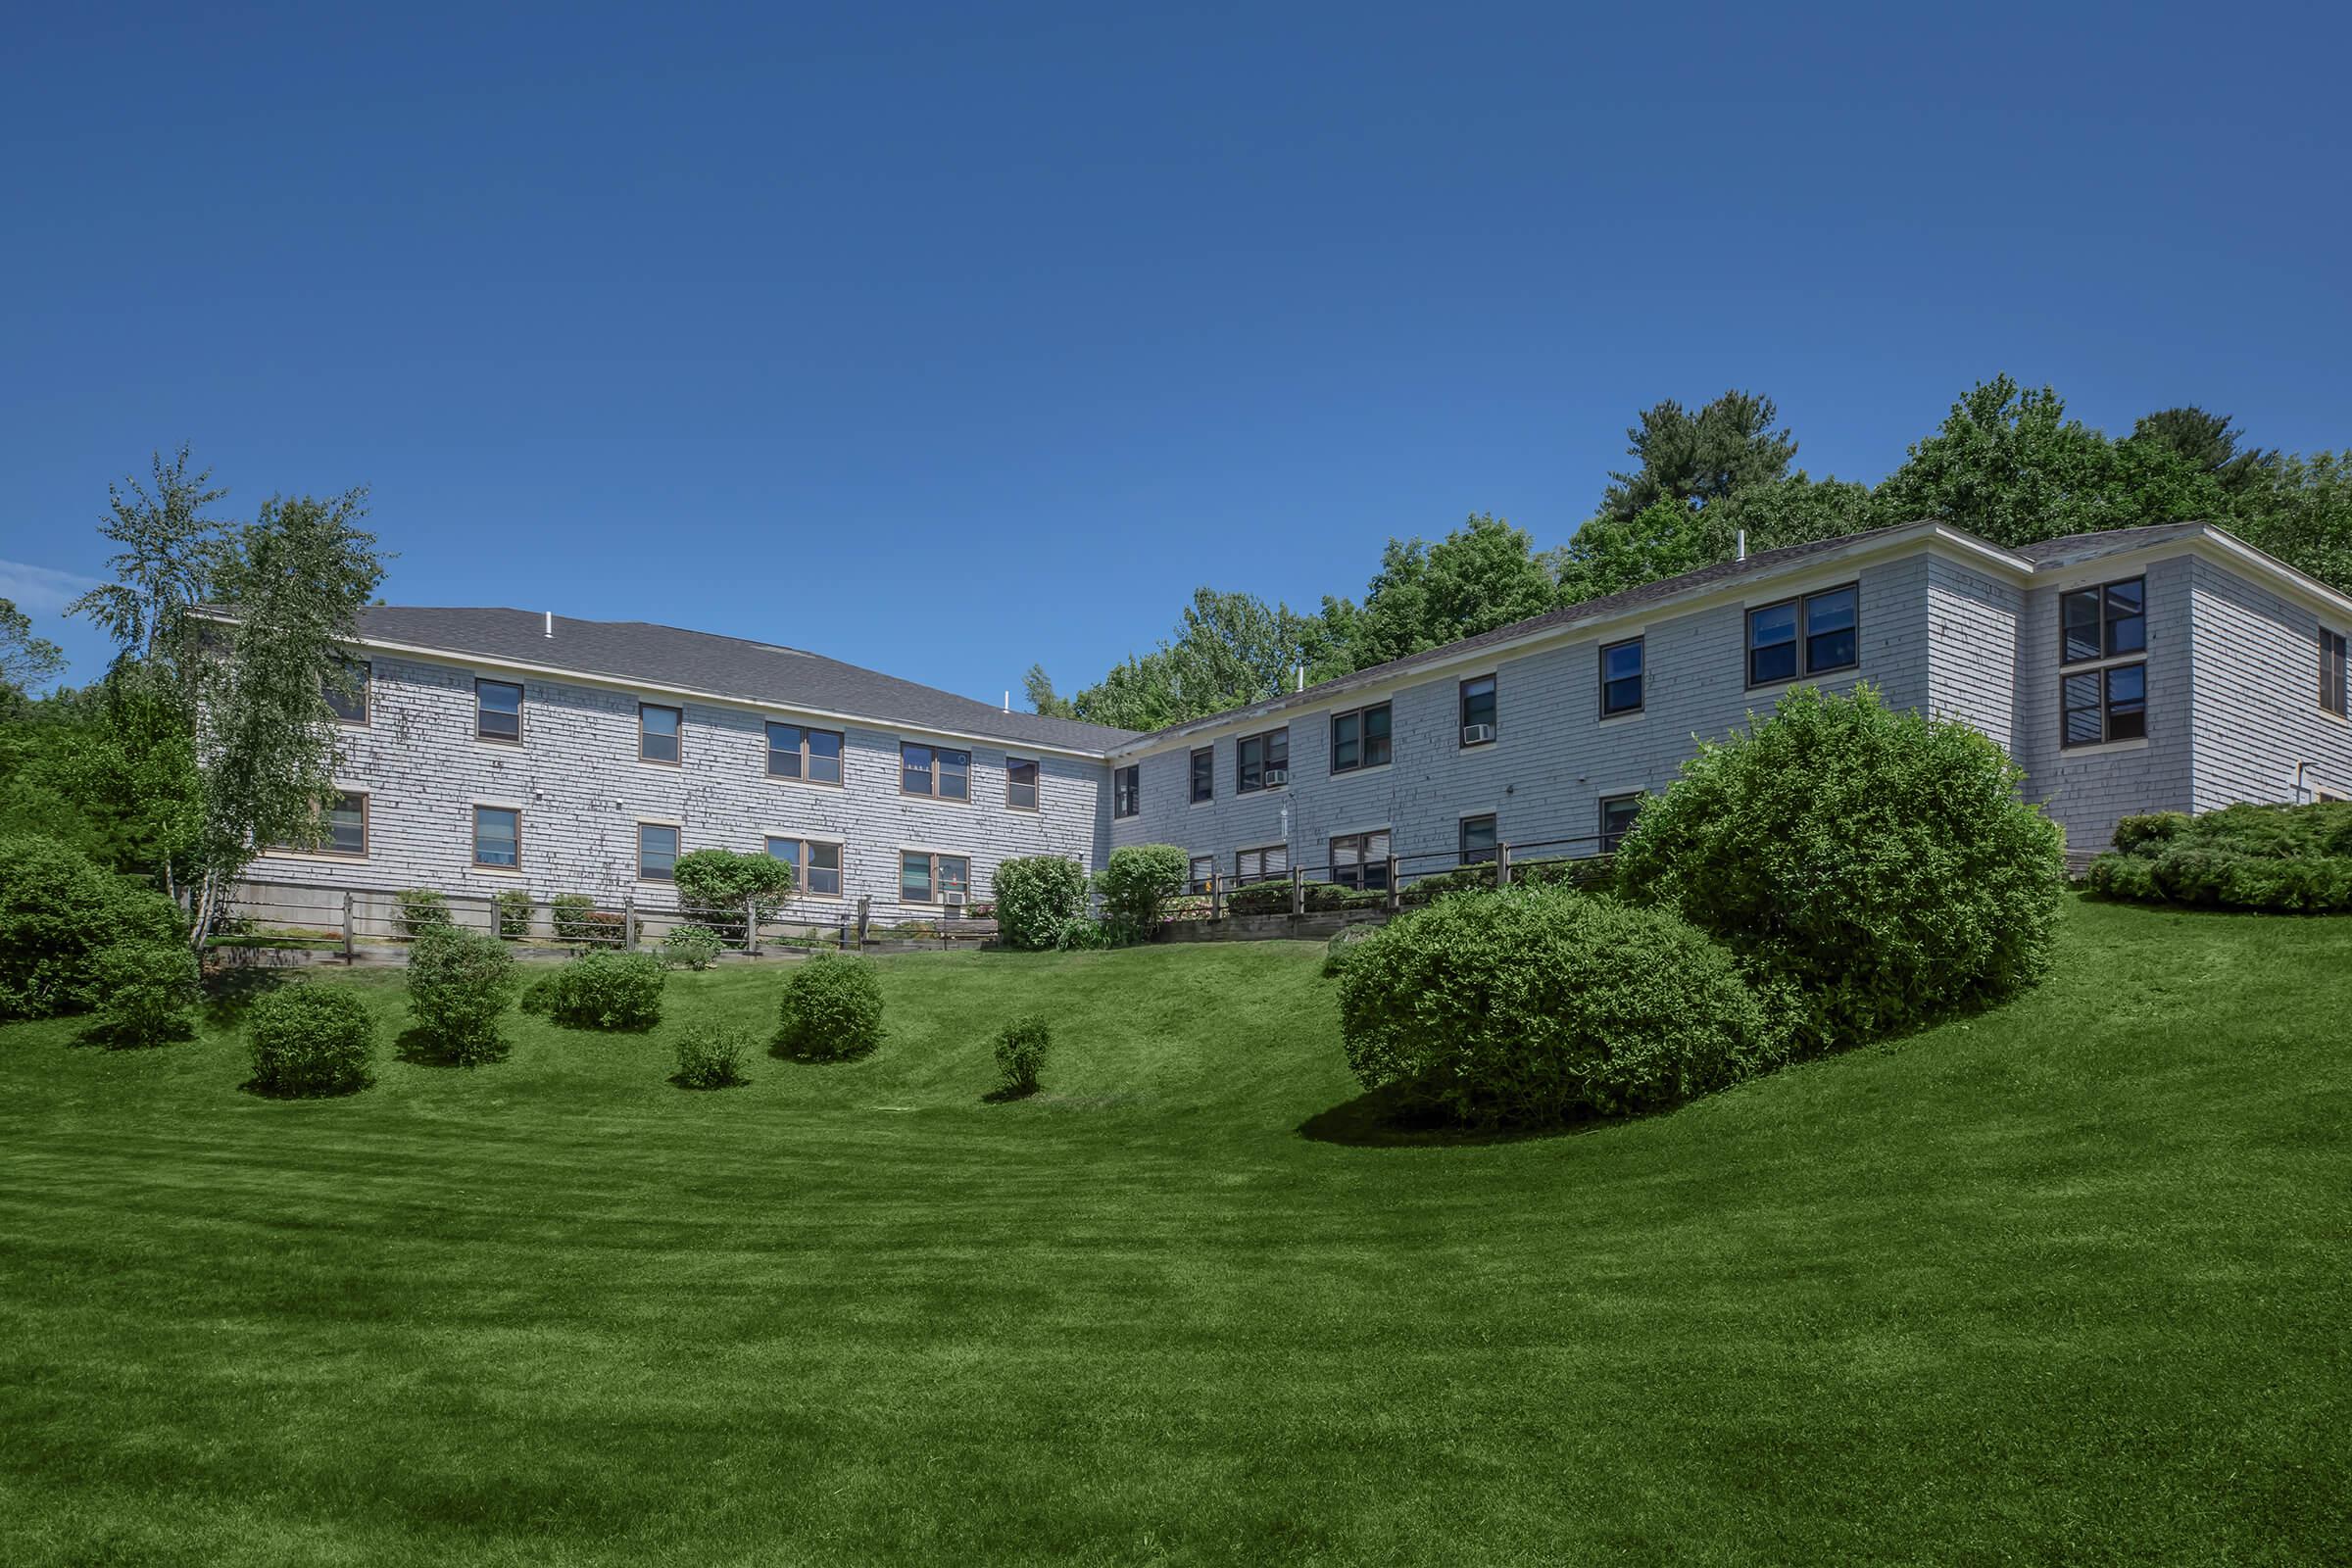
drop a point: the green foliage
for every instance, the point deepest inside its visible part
(831, 1009)
(1021, 1047)
(25, 661)
(312, 1040)
(1484, 575)
(420, 911)
(611, 990)
(57, 912)
(1342, 946)
(720, 885)
(570, 912)
(1230, 649)
(2301, 512)
(1692, 457)
(1274, 897)
(1442, 884)
(459, 983)
(692, 947)
(1532, 1004)
(2289, 859)
(1079, 934)
(143, 991)
(1035, 897)
(1135, 881)
(711, 1057)
(1879, 862)
(514, 913)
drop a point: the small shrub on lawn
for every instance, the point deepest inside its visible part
(1342, 946)
(459, 983)
(1527, 1006)
(144, 991)
(1035, 897)
(570, 912)
(57, 910)
(832, 1010)
(312, 1040)
(514, 913)
(420, 911)
(1021, 1047)
(610, 991)
(711, 1057)
(1078, 934)
(692, 947)
(2285, 859)
(1135, 882)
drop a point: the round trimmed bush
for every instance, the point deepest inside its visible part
(312, 1040)
(1035, 897)
(144, 991)
(1021, 1047)
(1529, 1005)
(1879, 863)
(832, 1010)
(1135, 882)
(459, 983)
(711, 1057)
(58, 909)
(612, 991)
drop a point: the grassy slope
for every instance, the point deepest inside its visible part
(2062, 1283)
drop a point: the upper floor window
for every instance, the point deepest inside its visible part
(1205, 775)
(497, 836)
(795, 751)
(1621, 678)
(1361, 861)
(935, 771)
(657, 852)
(1617, 814)
(1359, 739)
(2331, 672)
(1477, 839)
(1478, 711)
(1021, 784)
(1809, 636)
(497, 710)
(925, 877)
(1126, 790)
(2109, 621)
(658, 732)
(1261, 762)
(2098, 705)
(345, 691)
(815, 865)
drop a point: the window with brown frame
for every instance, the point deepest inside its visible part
(1205, 775)
(1021, 784)
(657, 852)
(813, 756)
(2108, 621)
(1477, 835)
(1361, 861)
(1261, 762)
(1262, 864)
(2333, 673)
(927, 877)
(1127, 790)
(1617, 816)
(1621, 678)
(1360, 738)
(342, 828)
(350, 706)
(1808, 636)
(498, 712)
(2098, 705)
(815, 865)
(1203, 867)
(934, 770)
(658, 732)
(498, 837)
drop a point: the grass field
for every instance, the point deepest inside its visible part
(2067, 1283)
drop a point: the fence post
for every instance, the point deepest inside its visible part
(1502, 866)
(1395, 897)
(1217, 896)
(864, 914)
(348, 932)
(1298, 892)
(628, 923)
(751, 924)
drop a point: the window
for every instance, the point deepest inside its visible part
(498, 836)
(816, 865)
(1477, 839)
(1205, 866)
(935, 771)
(498, 712)
(1359, 739)
(2331, 672)
(1126, 790)
(658, 733)
(794, 751)
(1812, 636)
(1020, 785)
(1255, 757)
(1621, 678)
(1205, 775)
(2109, 621)
(2104, 704)
(1361, 861)
(343, 828)
(657, 852)
(1478, 711)
(1617, 814)
(1262, 864)
(355, 674)
(928, 878)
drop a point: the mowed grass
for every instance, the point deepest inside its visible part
(2065, 1282)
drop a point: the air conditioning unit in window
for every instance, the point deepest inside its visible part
(953, 900)
(1276, 777)
(1477, 734)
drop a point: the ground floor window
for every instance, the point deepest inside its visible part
(657, 852)
(497, 836)
(926, 878)
(1262, 864)
(816, 865)
(1361, 861)
(2104, 704)
(1205, 866)
(1617, 814)
(1477, 839)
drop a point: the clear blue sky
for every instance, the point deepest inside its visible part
(947, 338)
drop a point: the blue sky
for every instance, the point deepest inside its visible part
(946, 339)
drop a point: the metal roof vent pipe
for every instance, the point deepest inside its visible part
(1741, 546)
(551, 624)
(1301, 678)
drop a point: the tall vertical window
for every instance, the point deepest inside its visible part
(1205, 775)
(1021, 784)
(658, 732)
(345, 691)
(497, 836)
(815, 865)
(1126, 790)
(2098, 706)
(795, 751)
(1203, 867)
(1359, 739)
(1477, 839)
(1361, 861)
(1621, 678)
(1617, 814)
(1261, 762)
(498, 711)
(347, 824)
(2333, 673)
(2109, 621)
(1809, 636)
(1478, 711)
(936, 772)
(925, 877)
(657, 852)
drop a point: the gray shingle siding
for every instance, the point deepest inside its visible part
(2255, 695)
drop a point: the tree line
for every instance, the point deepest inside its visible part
(2007, 464)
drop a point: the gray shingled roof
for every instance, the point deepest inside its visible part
(2071, 546)
(723, 666)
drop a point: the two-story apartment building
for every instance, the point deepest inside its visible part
(2170, 668)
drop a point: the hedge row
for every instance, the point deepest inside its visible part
(2285, 859)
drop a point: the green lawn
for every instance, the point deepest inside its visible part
(2066, 1283)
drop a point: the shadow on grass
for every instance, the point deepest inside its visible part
(681, 1080)
(1392, 1117)
(420, 1049)
(1006, 1093)
(115, 1037)
(814, 1056)
(261, 1091)
(228, 993)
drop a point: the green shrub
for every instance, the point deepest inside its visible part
(611, 990)
(2133, 832)
(732, 889)
(605, 930)
(143, 992)
(711, 1057)
(832, 1010)
(1526, 1006)
(1274, 897)
(571, 912)
(514, 913)
(1880, 861)
(1261, 897)
(692, 947)
(459, 982)
(1021, 1047)
(1342, 946)
(1440, 884)
(312, 1040)
(1035, 897)
(57, 910)
(1135, 882)
(1078, 934)
(2286, 859)
(420, 911)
